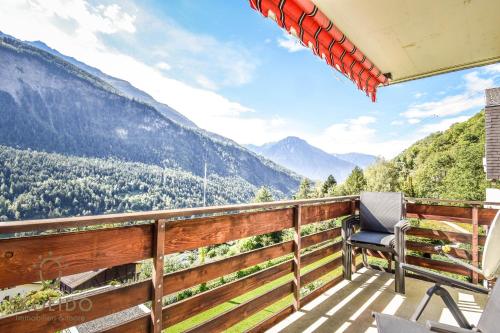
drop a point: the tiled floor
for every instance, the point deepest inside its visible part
(347, 307)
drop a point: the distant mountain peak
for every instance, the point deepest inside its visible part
(298, 155)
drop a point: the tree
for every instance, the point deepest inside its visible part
(382, 176)
(263, 195)
(305, 190)
(355, 183)
(328, 185)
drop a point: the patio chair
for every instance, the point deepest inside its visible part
(489, 320)
(381, 228)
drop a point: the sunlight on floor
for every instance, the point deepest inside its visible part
(348, 306)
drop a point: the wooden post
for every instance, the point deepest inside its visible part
(475, 242)
(353, 255)
(157, 276)
(296, 256)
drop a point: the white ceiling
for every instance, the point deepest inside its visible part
(417, 38)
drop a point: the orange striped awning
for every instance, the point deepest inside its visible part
(304, 20)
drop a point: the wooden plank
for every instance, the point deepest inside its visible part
(437, 265)
(450, 236)
(184, 309)
(320, 237)
(486, 215)
(271, 321)
(194, 233)
(157, 276)
(29, 259)
(439, 213)
(429, 248)
(296, 256)
(321, 270)
(78, 309)
(475, 243)
(323, 212)
(81, 221)
(245, 310)
(320, 253)
(181, 280)
(177, 312)
(317, 292)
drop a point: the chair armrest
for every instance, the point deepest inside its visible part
(444, 328)
(444, 280)
(350, 221)
(402, 225)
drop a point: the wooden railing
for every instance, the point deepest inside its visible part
(48, 249)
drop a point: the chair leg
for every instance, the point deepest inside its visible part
(347, 260)
(399, 276)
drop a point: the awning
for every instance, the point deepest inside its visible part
(305, 21)
(404, 39)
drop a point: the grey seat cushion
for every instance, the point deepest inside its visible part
(376, 238)
(393, 324)
(380, 211)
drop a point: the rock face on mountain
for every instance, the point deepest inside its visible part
(49, 104)
(305, 159)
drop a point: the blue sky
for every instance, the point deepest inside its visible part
(235, 73)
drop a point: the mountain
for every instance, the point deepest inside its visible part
(361, 160)
(123, 86)
(40, 185)
(48, 104)
(446, 164)
(305, 159)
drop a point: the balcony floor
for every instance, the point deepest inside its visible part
(347, 307)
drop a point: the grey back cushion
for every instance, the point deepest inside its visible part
(380, 211)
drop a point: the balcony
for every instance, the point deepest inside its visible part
(297, 285)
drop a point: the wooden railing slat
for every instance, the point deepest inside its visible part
(297, 216)
(65, 254)
(233, 316)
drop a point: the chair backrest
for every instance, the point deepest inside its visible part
(380, 211)
(491, 254)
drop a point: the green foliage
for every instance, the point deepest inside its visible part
(446, 164)
(40, 185)
(382, 176)
(354, 184)
(31, 300)
(329, 185)
(306, 190)
(263, 195)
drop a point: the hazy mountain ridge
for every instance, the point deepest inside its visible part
(49, 104)
(312, 162)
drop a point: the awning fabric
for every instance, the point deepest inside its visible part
(304, 20)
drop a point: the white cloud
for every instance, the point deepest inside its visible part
(419, 94)
(74, 28)
(163, 66)
(357, 135)
(291, 43)
(413, 121)
(442, 125)
(397, 122)
(492, 69)
(472, 97)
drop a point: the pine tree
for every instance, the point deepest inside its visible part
(305, 190)
(328, 185)
(355, 183)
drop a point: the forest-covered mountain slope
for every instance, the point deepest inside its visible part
(48, 104)
(40, 185)
(446, 164)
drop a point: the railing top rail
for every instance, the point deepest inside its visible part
(465, 202)
(83, 221)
